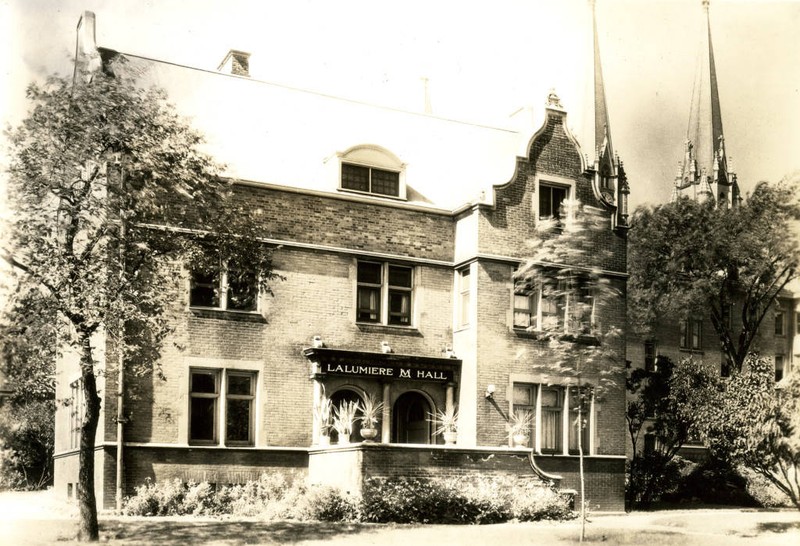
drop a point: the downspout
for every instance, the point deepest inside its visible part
(120, 352)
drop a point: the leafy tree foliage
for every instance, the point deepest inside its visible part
(756, 423)
(668, 402)
(110, 195)
(573, 343)
(27, 350)
(691, 258)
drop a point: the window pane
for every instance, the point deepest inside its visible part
(385, 182)
(355, 177)
(400, 276)
(242, 291)
(368, 304)
(545, 201)
(204, 411)
(523, 395)
(369, 272)
(778, 367)
(237, 422)
(551, 430)
(684, 335)
(579, 409)
(696, 334)
(551, 398)
(240, 384)
(399, 307)
(778, 324)
(204, 382)
(204, 290)
(559, 194)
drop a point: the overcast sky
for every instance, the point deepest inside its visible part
(484, 60)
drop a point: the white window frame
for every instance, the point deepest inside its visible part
(223, 295)
(221, 397)
(372, 156)
(566, 418)
(781, 332)
(537, 297)
(384, 290)
(77, 409)
(551, 181)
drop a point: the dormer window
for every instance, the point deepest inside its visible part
(370, 180)
(373, 170)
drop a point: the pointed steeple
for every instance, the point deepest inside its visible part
(610, 183)
(704, 173)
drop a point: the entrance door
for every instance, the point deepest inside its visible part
(411, 414)
(346, 395)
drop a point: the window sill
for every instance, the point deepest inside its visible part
(221, 314)
(692, 351)
(388, 329)
(372, 194)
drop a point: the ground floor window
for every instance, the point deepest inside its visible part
(77, 409)
(222, 397)
(559, 415)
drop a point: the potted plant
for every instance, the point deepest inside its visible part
(446, 423)
(370, 415)
(519, 426)
(322, 415)
(344, 415)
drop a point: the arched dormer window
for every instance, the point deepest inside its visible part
(373, 170)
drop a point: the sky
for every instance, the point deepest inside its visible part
(483, 60)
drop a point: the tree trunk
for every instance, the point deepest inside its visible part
(87, 503)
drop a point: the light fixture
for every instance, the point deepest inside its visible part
(490, 388)
(316, 342)
(385, 347)
(448, 351)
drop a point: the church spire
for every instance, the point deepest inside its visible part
(704, 170)
(610, 183)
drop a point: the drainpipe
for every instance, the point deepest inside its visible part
(120, 352)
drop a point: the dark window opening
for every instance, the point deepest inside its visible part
(550, 200)
(370, 180)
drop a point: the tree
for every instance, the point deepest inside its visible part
(756, 423)
(26, 416)
(572, 293)
(669, 401)
(110, 195)
(687, 257)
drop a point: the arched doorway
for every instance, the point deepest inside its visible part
(410, 419)
(347, 395)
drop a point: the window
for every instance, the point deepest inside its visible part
(780, 324)
(207, 406)
(463, 307)
(77, 409)
(550, 199)
(229, 290)
(650, 355)
(797, 322)
(779, 367)
(370, 180)
(557, 410)
(549, 308)
(384, 293)
(691, 334)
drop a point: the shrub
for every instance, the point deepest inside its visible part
(762, 490)
(326, 503)
(712, 482)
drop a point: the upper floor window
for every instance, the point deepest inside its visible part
(560, 414)
(797, 322)
(554, 308)
(691, 334)
(370, 180)
(222, 404)
(650, 355)
(550, 199)
(780, 323)
(384, 293)
(464, 298)
(77, 408)
(373, 170)
(229, 290)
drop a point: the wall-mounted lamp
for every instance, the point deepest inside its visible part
(448, 351)
(316, 342)
(490, 388)
(385, 347)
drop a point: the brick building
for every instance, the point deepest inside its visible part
(398, 235)
(704, 175)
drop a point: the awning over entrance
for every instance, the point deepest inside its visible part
(389, 366)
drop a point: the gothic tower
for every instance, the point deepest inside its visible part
(703, 174)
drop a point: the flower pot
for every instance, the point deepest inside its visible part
(450, 437)
(520, 440)
(343, 440)
(369, 433)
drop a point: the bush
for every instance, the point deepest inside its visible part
(483, 500)
(762, 490)
(653, 476)
(713, 482)
(326, 503)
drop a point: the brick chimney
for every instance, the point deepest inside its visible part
(236, 63)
